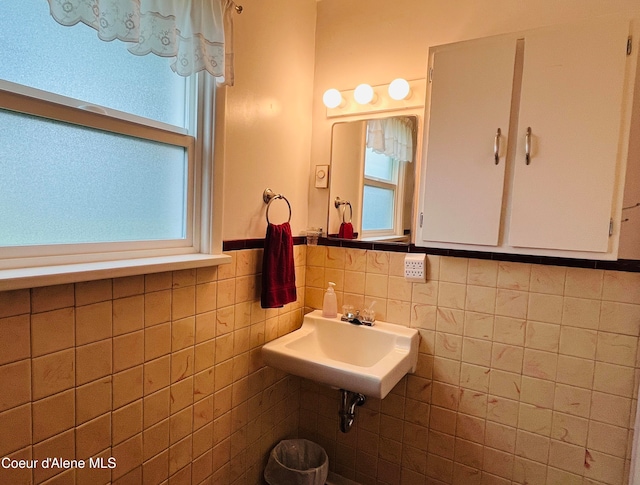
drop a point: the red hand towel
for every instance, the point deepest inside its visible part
(346, 230)
(278, 270)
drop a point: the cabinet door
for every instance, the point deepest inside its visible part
(571, 98)
(470, 100)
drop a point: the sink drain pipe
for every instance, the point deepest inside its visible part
(348, 404)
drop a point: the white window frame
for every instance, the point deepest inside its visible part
(24, 267)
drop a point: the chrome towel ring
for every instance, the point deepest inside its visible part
(344, 203)
(269, 196)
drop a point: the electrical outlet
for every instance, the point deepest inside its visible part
(415, 268)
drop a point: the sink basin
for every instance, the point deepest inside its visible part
(368, 360)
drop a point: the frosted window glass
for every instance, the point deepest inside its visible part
(377, 209)
(62, 183)
(74, 62)
(379, 166)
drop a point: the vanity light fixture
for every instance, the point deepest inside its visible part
(399, 89)
(363, 94)
(400, 94)
(332, 98)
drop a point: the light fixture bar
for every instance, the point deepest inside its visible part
(383, 102)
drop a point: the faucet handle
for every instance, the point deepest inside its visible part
(348, 312)
(368, 316)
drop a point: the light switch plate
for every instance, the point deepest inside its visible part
(322, 176)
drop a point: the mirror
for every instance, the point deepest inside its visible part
(372, 179)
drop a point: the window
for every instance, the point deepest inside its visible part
(102, 153)
(380, 194)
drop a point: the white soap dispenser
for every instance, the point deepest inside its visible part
(330, 303)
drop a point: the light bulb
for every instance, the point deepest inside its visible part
(363, 94)
(399, 89)
(332, 98)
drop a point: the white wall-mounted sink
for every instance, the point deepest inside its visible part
(367, 360)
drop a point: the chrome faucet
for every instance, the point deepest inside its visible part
(356, 318)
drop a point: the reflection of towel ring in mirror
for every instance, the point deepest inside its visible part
(344, 203)
(344, 210)
(269, 196)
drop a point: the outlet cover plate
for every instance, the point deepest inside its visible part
(415, 268)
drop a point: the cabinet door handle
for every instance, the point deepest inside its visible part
(496, 147)
(527, 146)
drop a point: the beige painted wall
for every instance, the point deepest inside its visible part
(630, 228)
(288, 52)
(268, 116)
(375, 41)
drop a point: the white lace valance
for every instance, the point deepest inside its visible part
(192, 32)
(392, 137)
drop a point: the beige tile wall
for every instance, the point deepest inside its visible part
(161, 372)
(526, 375)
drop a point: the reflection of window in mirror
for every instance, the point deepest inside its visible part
(380, 194)
(389, 147)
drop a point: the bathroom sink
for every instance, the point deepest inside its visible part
(368, 360)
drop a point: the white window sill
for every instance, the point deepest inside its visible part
(13, 279)
(390, 238)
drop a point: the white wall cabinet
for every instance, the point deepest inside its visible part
(527, 141)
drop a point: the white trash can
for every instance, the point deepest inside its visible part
(297, 462)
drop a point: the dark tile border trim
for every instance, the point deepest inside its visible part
(237, 244)
(630, 265)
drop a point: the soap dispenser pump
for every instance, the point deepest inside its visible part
(330, 303)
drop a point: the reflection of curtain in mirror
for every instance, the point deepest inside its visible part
(392, 137)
